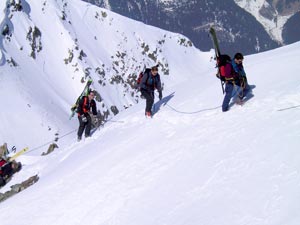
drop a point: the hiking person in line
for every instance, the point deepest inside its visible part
(86, 104)
(150, 81)
(234, 74)
(7, 168)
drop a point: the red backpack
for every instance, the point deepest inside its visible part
(222, 60)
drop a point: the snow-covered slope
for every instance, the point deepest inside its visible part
(190, 164)
(272, 20)
(49, 48)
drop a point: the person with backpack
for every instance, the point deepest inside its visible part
(7, 169)
(233, 73)
(149, 82)
(85, 106)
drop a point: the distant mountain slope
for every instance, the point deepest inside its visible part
(273, 15)
(253, 27)
(290, 32)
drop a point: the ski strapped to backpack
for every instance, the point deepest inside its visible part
(21, 152)
(83, 93)
(214, 39)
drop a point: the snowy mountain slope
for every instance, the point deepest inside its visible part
(44, 64)
(190, 164)
(271, 16)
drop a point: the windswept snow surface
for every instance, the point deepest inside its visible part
(190, 164)
(198, 167)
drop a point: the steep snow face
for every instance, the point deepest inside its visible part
(44, 65)
(272, 20)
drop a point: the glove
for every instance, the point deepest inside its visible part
(83, 118)
(160, 95)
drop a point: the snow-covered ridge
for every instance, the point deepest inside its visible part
(45, 64)
(190, 164)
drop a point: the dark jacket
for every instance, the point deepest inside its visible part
(150, 82)
(2, 164)
(5, 168)
(85, 106)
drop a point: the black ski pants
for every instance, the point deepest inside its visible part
(85, 126)
(149, 96)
